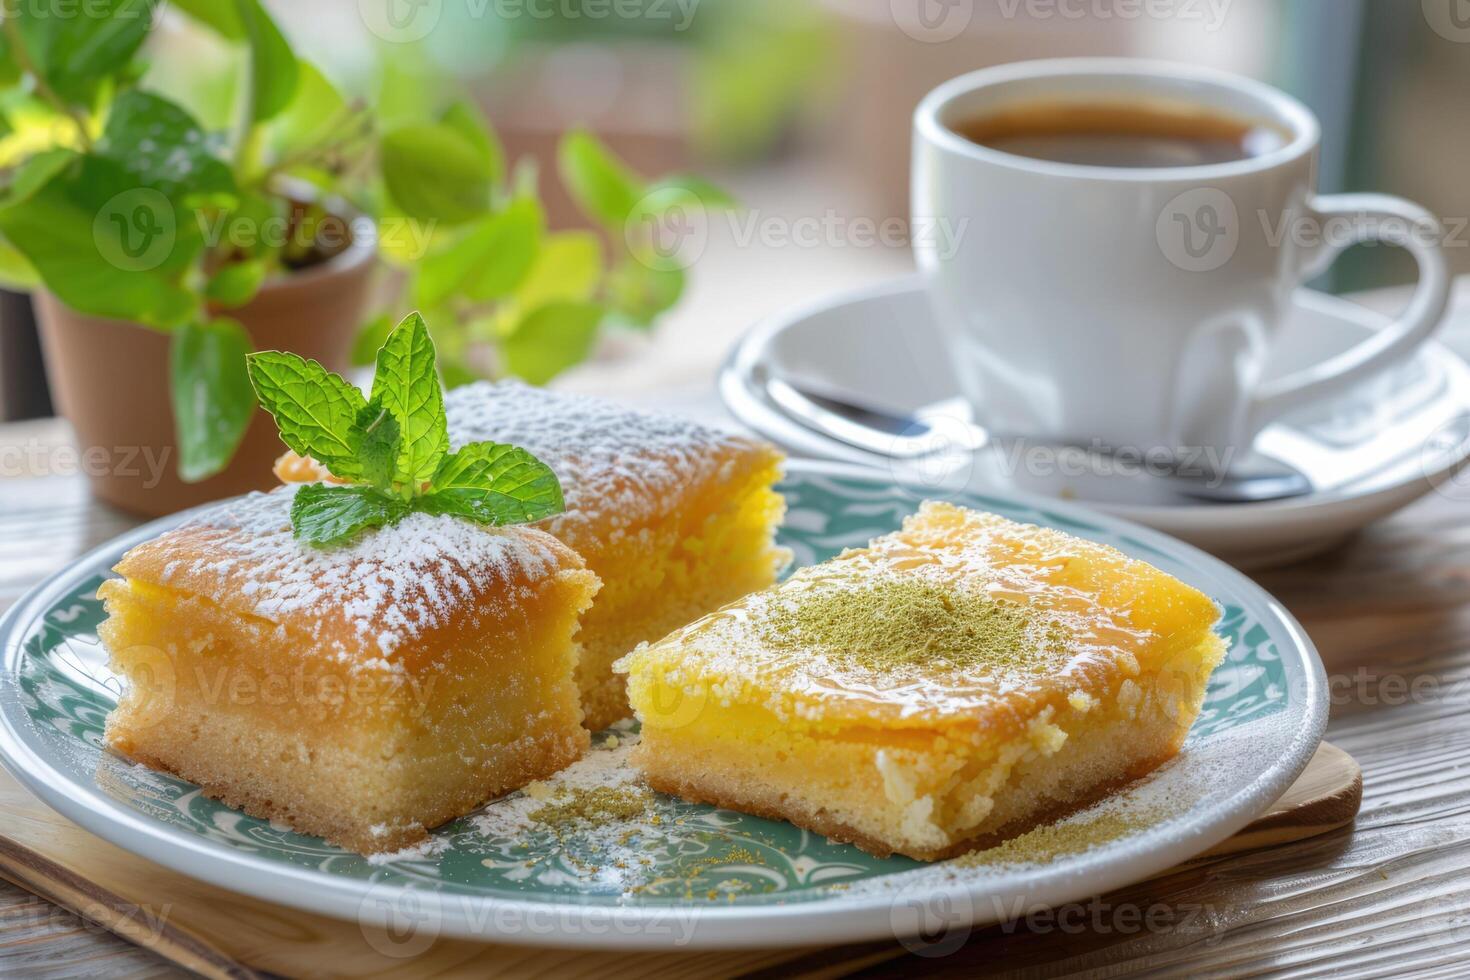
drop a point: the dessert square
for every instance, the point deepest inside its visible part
(674, 517)
(364, 693)
(950, 684)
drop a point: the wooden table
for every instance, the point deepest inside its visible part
(1390, 613)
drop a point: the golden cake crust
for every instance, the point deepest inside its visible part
(621, 469)
(365, 601)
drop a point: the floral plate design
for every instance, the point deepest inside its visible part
(706, 877)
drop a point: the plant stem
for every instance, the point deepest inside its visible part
(43, 88)
(358, 125)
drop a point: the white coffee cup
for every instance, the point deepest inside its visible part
(1134, 308)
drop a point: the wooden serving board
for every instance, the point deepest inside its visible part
(217, 933)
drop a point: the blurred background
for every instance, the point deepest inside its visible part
(801, 107)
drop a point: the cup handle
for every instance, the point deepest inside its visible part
(1372, 217)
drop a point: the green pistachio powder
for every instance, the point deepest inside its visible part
(909, 622)
(893, 623)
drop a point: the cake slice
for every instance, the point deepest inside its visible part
(675, 518)
(365, 692)
(953, 682)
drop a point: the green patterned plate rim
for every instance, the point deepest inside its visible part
(709, 877)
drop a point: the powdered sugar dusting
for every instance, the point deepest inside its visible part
(619, 468)
(388, 586)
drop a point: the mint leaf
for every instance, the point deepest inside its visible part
(551, 339)
(599, 182)
(212, 399)
(407, 384)
(314, 409)
(376, 435)
(433, 172)
(493, 483)
(322, 515)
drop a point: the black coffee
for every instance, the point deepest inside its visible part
(1122, 134)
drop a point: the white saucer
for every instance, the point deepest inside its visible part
(1367, 453)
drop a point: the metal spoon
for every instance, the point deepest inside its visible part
(913, 436)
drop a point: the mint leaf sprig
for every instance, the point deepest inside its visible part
(392, 447)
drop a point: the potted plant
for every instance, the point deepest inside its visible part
(163, 252)
(509, 295)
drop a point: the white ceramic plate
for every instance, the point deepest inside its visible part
(1370, 452)
(774, 885)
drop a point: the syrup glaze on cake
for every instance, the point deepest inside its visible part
(365, 692)
(949, 682)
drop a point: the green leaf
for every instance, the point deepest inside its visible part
(222, 15)
(487, 261)
(315, 410)
(102, 242)
(37, 172)
(324, 515)
(316, 105)
(376, 434)
(434, 172)
(457, 373)
(568, 266)
(688, 188)
(493, 483)
(162, 145)
(16, 273)
(639, 292)
(371, 336)
(10, 72)
(236, 283)
(465, 118)
(274, 72)
(212, 398)
(242, 225)
(77, 48)
(551, 339)
(604, 188)
(407, 383)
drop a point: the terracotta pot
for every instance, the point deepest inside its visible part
(110, 380)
